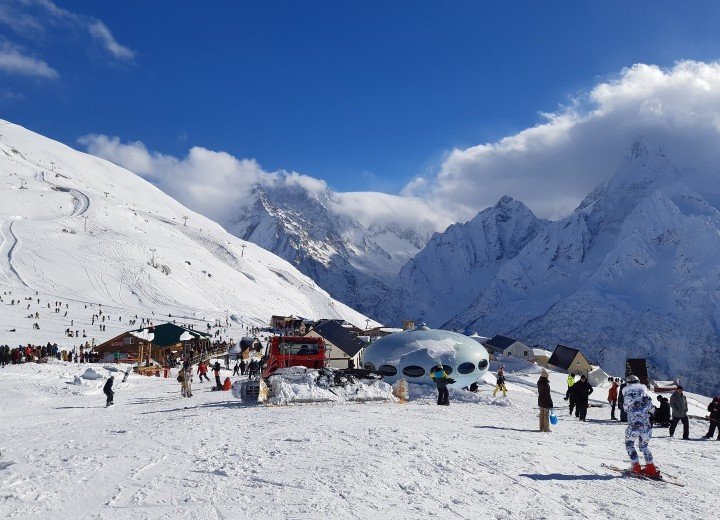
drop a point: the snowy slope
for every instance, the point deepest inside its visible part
(634, 271)
(80, 229)
(155, 455)
(353, 262)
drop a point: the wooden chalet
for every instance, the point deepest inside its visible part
(166, 340)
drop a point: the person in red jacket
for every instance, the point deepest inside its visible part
(202, 371)
(612, 398)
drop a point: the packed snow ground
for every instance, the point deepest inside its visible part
(156, 455)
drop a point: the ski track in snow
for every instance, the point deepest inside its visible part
(7, 249)
(155, 455)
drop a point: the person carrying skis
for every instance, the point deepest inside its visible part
(714, 409)
(500, 382)
(581, 392)
(638, 406)
(202, 371)
(107, 390)
(544, 400)
(679, 407)
(612, 398)
(441, 379)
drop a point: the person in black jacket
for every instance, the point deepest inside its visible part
(107, 390)
(441, 380)
(714, 409)
(216, 369)
(581, 392)
(544, 400)
(662, 413)
(621, 401)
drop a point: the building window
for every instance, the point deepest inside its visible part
(370, 366)
(387, 370)
(414, 371)
(483, 364)
(466, 368)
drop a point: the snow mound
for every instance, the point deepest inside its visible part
(91, 374)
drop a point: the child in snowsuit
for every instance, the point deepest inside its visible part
(638, 406)
(500, 383)
(107, 390)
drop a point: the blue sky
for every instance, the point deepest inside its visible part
(364, 95)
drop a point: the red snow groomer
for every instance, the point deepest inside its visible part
(293, 351)
(296, 371)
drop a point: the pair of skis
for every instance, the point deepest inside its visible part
(667, 479)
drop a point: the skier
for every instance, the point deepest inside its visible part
(544, 400)
(500, 382)
(107, 390)
(216, 369)
(714, 409)
(638, 406)
(242, 367)
(236, 369)
(441, 379)
(202, 371)
(612, 398)
(581, 392)
(679, 407)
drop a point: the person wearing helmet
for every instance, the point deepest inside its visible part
(441, 379)
(638, 406)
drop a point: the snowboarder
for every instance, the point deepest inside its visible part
(216, 369)
(714, 409)
(612, 398)
(581, 392)
(127, 373)
(544, 400)
(679, 407)
(202, 371)
(441, 379)
(107, 390)
(500, 382)
(638, 406)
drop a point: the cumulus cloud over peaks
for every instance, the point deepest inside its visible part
(553, 165)
(212, 183)
(217, 184)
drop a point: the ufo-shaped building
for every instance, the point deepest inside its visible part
(413, 354)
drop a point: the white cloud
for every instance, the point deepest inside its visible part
(102, 34)
(550, 167)
(213, 183)
(31, 18)
(15, 61)
(553, 165)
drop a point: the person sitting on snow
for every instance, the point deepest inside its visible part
(638, 406)
(661, 417)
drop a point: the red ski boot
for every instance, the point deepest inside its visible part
(636, 469)
(651, 471)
